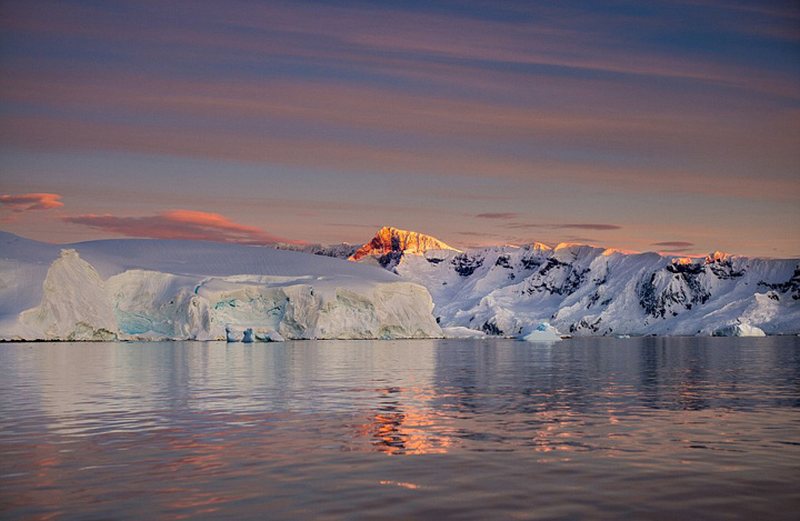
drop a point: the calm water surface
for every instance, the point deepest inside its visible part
(682, 428)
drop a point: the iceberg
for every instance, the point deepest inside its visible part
(544, 332)
(232, 335)
(268, 335)
(462, 332)
(739, 330)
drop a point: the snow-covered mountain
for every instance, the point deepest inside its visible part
(389, 245)
(586, 290)
(154, 289)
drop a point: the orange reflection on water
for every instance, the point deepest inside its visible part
(405, 429)
(401, 484)
(552, 436)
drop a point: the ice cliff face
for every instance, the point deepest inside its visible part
(585, 290)
(150, 290)
(75, 305)
(390, 244)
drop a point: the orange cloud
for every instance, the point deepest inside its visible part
(179, 224)
(34, 201)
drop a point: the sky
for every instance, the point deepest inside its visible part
(671, 126)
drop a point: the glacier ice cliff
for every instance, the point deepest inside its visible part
(152, 290)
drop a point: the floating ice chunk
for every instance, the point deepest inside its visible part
(268, 335)
(247, 338)
(462, 332)
(544, 332)
(739, 330)
(232, 334)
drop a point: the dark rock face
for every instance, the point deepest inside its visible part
(718, 264)
(531, 263)
(503, 262)
(791, 286)
(490, 328)
(390, 260)
(723, 269)
(648, 298)
(584, 325)
(557, 278)
(689, 269)
(680, 292)
(465, 265)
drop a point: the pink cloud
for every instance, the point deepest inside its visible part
(179, 224)
(33, 201)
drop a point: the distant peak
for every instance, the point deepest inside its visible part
(682, 261)
(571, 245)
(613, 251)
(717, 256)
(391, 240)
(539, 246)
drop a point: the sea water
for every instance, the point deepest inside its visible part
(595, 428)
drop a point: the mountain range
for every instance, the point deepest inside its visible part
(399, 284)
(586, 290)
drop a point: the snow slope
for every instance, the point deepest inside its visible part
(154, 289)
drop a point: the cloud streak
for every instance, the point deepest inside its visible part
(570, 226)
(178, 224)
(497, 215)
(32, 201)
(674, 244)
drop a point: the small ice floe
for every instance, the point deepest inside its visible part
(268, 335)
(232, 334)
(622, 336)
(544, 332)
(462, 332)
(252, 334)
(739, 330)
